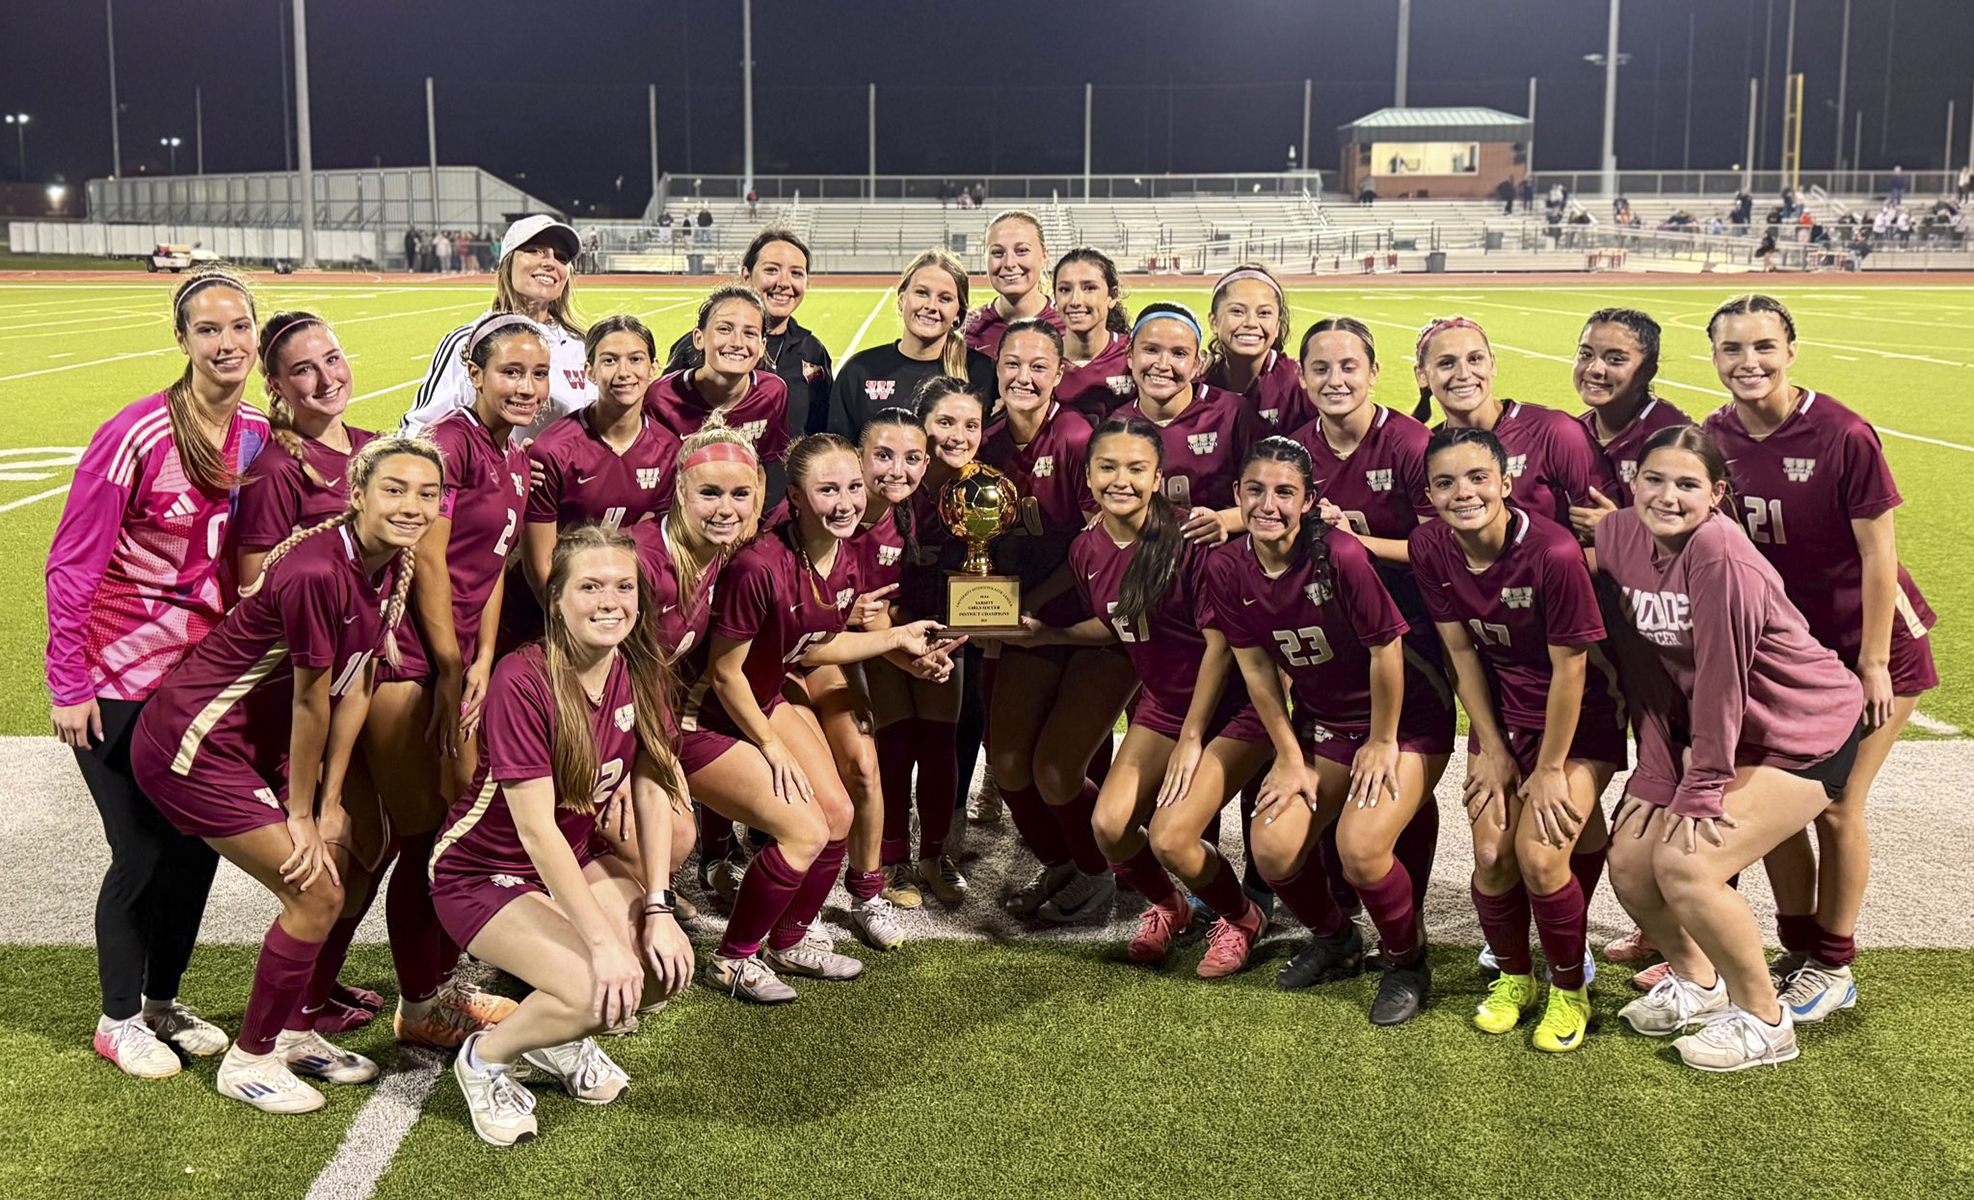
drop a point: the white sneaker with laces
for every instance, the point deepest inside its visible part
(309, 1053)
(942, 878)
(1815, 991)
(814, 956)
(1783, 968)
(875, 922)
(264, 1081)
(1083, 898)
(1737, 1039)
(1674, 1004)
(503, 1111)
(184, 1028)
(582, 1069)
(135, 1050)
(746, 979)
(1028, 899)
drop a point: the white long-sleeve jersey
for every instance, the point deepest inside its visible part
(447, 388)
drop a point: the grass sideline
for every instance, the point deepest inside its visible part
(1061, 1071)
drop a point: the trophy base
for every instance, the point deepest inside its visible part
(983, 603)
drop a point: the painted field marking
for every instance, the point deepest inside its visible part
(27, 500)
(858, 340)
(94, 362)
(1934, 725)
(373, 1138)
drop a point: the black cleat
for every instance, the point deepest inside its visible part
(1323, 959)
(1401, 992)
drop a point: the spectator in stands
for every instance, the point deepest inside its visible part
(1367, 192)
(410, 249)
(1743, 212)
(753, 204)
(1716, 226)
(1896, 192)
(442, 249)
(1528, 194)
(979, 194)
(664, 227)
(1964, 185)
(1766, 251)
(705, 222)
(1505, 192)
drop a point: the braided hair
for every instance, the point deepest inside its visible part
(280, 414)
(1161, 540)
(1312, 536)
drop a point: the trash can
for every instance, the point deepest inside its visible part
(1493, 240)
(695, 264)
(1436, 262)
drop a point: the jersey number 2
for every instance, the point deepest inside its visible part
(1764, 520)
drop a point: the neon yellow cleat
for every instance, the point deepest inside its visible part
(1509, 997)
(1565, 1021)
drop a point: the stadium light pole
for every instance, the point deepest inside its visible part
(1748, 161)
(432, 147)
(653, 93)
(116, 128)
(303, 142)
(19, 122)
(171, 144)
(747, 95)
(199, 127)
(1946, 157)
(1089, 104)
(871, 166)
(287, 118)
(1686, 151)
(1843, 77)
(1782, 149)
(1308, 87)
(1528, 158)
(1404, 49)
(1857, 145)
(1610, 163)
(1885, 118)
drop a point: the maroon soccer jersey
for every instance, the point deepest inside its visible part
(681, 621)
(985, 326)
(1553, 462)
(761, 416)
(1797, 492)
(479, 837)
(1165, 645)
(1053, 471)
(485, 492)
(280, 498)
(880, 547)
(233, 699)
(1622, 452)
(1101, 386)
(1536, 595)
(583, 479)
(1750, 685)
(1276, 394)
(778, 604)
(1381, 488)
(1204, 445)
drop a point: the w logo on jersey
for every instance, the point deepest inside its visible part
(1518, 597)
(626, 717)
(1203, 443)
(1517, 463)
(647, 477)
(1380, 481)
(752, 430)
(1318, 593)
(504, 880)
(844, 597)
(266, 796)
(1799, 470)
(1627, 470)
(1271, 415)
(1120, 385)
(888, 556)
(520, 483)
(880, 389)
(1045, 466)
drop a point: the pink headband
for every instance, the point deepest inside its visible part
(489, 324)
(267, 345)
(1441, 326)
(1248, 273)
(714, 452)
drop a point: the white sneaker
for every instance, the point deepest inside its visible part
(746, 979)
(987, 807)
(135, 1050)
(1736, 1040)
(942, 878)
(813, 956)
(1028, 899)
(582, 1069)
(186, 1029)
(1673, 1005)
(900, 887)
(503, 1111)
(1815, 991)
(1783, 968)
(264, 1081)
(1084, 897)
(309, 1053)
(875, 922)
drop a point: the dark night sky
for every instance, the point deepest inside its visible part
(1198, 85)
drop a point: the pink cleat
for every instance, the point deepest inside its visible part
(1229, 943)
(1157, 926)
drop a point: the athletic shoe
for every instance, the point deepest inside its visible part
(899, 887)
(1784, 968)
(683, 910)
(178, 1024)
(746, 979)
(1259, 894)
(815, 957)
(1633, 947)
(1565, 1021)
(1083, 898)
(875, 922)
(135, 1050)
(503, 1111)
(941, 878)
(623, 1028)
(1673, 1005)
(1027, 900)
(484, 1009)
(1736, 1040)
(1322, 959)
(987, 804)
(722, 878)
(266, 1082)
(1509, 998)
(581, 1069)
(1157, 926)
(356, 997)
(1229, 943)
(1401, 993)
(1815, 991)
(1651, 976)
(442, 1026)
(336, 1017)
(309, 1053)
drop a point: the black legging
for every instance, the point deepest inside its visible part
(154, 894)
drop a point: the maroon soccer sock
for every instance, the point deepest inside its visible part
(765, 893)
(1221, 891)
(715, 835)
(1037, 826)
(328, 963)
(896, 755)
(1073, 819)
(807, 902)
(938, 786)
(418, 944)
(1798, 932)
(281, 975)
(1559, 922)
(1331, 862)
(1504, 921)
(1389, 901)
(1834, 949)
(1307, 894)
(1148, 877)
(863, 885)
(1417, 845)
(1588, 867)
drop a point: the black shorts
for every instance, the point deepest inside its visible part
(1834, 773)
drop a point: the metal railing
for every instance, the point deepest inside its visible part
(1759, 183)
(996, 188)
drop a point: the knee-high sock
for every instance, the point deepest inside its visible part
(966, 736)
(715, 835)
(1389, 901)
(1333, 877)
(1307, 895)
(765, 893)
(1038, 828)
(1148, 877)
(1222, 890)
(1417, 844)
(1559, 922)
(328, 962)
(1588, 867)
(1504, 921)
(938, 786)
(896, 756)
(280, 976)
(1073, 819)
(807, 901)
(420, 950)
(1796, 931)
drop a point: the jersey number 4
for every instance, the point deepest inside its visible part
(1293, 643)
(1764, 520)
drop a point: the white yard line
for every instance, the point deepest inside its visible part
(1934, 725)
(26, 500)
(380, 1127)
(858, 340)
(94, 362)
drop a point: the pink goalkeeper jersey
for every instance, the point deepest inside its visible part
(141, 567)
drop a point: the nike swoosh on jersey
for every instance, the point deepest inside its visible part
(584, 478)
(1245, 601)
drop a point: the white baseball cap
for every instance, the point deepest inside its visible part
(541, 227)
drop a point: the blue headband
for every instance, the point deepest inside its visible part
(1177, 314)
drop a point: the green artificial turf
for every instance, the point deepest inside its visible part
(1041, 1070)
